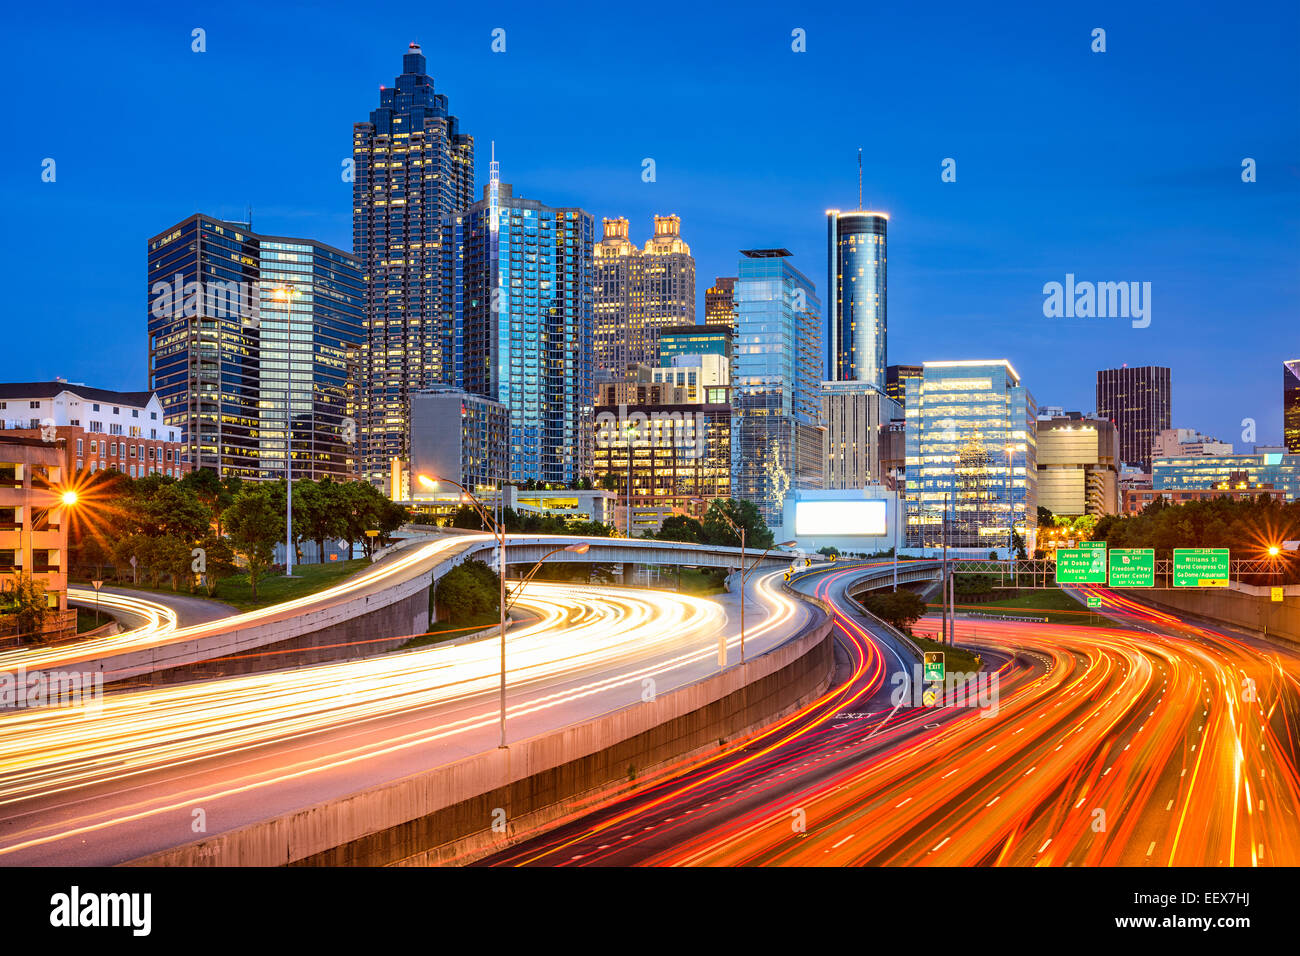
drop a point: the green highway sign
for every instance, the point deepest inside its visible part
(1200, 567)
(1081, 565)
(1094, 601)
(932, 671)
(1133, 568)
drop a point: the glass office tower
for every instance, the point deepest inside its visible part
(413, 167)
(520, 280)
(1291, 405)
(249, 341)
(856, 299)
(1139, 402)
(312, 314)
(776, 439)
(971, 455)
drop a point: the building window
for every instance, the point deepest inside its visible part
(33, 404)
(113, 450)
(132, 451)
(79, 448)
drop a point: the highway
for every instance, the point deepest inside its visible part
(1134, 744)
(111, 783)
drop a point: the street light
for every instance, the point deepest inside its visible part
(581, 548)
(498, 530)
(722, 641)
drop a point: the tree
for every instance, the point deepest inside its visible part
(172, 556)
(254, 526)
(28, 603)
(899, 608)
(317, 514)
(717, 531)
(468, 592)
(218, 562)
(681, 528)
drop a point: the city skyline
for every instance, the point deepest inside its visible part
(969, 263)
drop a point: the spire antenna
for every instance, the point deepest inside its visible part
(859, 178)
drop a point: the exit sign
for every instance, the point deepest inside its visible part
(1200, 567)
(1133, 568)
(1081, 565)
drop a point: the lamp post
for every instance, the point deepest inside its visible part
(498, 530)
(580, 548)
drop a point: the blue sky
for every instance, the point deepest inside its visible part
(1115, 166)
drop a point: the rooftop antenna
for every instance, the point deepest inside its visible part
(859, 178)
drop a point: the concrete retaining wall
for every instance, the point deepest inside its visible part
(446, 812)
(1279, 620)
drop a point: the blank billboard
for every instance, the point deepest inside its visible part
(840, 518)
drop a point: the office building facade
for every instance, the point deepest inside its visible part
(459, 436)
(413, 167)
(694, 340)
(1078, 469)
(777, 441)
(896, 377)
(720, 302)
(639, 292)
(1291, 405)
(857, 296)
(856, 417)
(521, 283)
(1261, 471)
(249, 343)
(972, 466)
(1138, 401)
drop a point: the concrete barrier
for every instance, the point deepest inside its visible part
(1279, 620)
(445, 813)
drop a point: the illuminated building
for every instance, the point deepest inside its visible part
(250, 340)
(856, 415)
(971, 454)
(1138, 401)
(1260, 471)
(896, 377)
(413, 167)
(521, 284)
(459, 436)
(856, 296)
(694, 340)
(34, 529)
(1078, 471)
(99, 429)
(777, 442)
(720, 303)
(639, 292)
(1291, 405)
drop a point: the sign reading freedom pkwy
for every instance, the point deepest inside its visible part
(1136, 567)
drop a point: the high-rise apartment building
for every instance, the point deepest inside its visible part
(249, 342)
(1291, 405)
(1138, 400)
(639, 292)
(856, 296)
(413, 167)
(720, 302)
(521, 284)
(777, 442)
(971, 458)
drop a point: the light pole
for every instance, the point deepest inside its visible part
(288, 498)
(581, 548)
(498, 530)
(722, 641)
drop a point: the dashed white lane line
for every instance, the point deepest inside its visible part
(1169, 805)
(1045, 845)
(993, 801)
(941, 843)
(842, 842)
(905, 801)
(1031, 770)
(1152, 848)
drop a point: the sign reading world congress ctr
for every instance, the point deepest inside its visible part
(1085, 565)
(1200, 567)
(1133, 568)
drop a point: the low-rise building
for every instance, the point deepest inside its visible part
(34, 529)
(1136, 500)
(99, 428)
(1260, 471)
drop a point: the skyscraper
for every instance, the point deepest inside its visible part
(521, 284)
(413, 167)
(638, 292)
(1138, 401)
(776, 439)
(249, 343)
(896, 377)
(971, 457)
(856, 296)
(720, 302)
(1291, 405)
